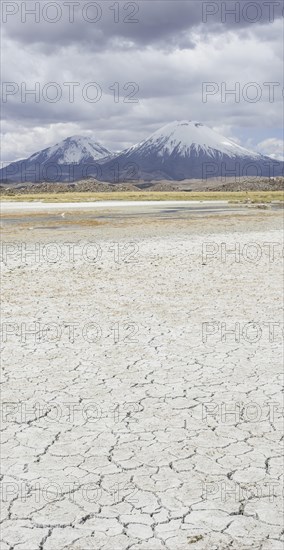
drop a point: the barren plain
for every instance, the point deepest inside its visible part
(141, 381)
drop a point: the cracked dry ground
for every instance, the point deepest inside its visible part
(120, 437)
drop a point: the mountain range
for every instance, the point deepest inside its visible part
(180, 150)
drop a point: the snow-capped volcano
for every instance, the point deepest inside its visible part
(69, 160)
(186, 137)
(71, 150)
(188, 149)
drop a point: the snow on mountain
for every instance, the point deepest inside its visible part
(184, 137)
(180, 150)
(188, 149)
(75, 149)
(69, 160)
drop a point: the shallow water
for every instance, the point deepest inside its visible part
(70, 216)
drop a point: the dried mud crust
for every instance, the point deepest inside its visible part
(168, 440)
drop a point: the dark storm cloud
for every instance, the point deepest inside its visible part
(95, 25)
(98, 25)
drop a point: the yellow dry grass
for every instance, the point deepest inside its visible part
(238, 196)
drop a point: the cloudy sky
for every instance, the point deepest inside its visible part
(120, 70)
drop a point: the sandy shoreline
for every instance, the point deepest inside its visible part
(133, 417)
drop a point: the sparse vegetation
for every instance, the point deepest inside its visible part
(239, 196)
(195, 538)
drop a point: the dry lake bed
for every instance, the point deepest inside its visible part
(142, 374)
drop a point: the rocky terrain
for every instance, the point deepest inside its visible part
(92, 185)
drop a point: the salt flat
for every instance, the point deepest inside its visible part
(142, 372)
(8, 206)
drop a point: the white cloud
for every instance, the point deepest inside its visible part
(272, 147)
(170, 79)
